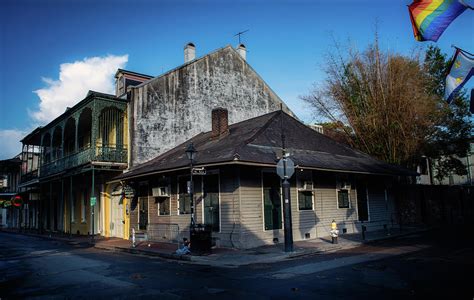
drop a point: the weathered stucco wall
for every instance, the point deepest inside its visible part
(171, 108)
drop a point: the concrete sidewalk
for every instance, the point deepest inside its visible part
(225, 257)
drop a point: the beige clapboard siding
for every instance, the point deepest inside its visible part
(229, 200)
(251, 203)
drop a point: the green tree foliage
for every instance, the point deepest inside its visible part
(394, 106)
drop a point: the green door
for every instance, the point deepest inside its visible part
(272, 201)
(211, 201)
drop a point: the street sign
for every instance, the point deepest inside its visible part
(93, 201)
(199, 171)
(290, 168)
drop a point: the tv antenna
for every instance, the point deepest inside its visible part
(240, 33)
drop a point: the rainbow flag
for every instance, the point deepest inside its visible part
(429, 18)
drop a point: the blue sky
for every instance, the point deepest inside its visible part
(287, 41)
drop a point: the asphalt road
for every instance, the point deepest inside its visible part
(432, 265)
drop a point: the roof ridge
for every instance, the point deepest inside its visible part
(263, 128)
(182, 66)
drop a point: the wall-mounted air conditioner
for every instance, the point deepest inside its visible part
(307, 186)
(343, 185)
(161, 191)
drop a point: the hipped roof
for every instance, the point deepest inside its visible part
(258, 140)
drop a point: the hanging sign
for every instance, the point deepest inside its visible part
(128, 191)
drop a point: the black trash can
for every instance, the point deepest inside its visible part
(201, 239)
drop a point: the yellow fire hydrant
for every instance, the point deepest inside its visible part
(334, 232)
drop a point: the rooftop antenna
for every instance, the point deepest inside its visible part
(240, 33)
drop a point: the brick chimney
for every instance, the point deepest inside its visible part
(189, 52)
(220, 123)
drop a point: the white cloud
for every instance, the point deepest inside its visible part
(75, 80)
(11, 145)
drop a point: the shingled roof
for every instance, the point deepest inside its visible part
(258, 140)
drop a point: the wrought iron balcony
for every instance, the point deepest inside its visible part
(102, 153)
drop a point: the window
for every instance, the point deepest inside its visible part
(211, 201)
(362, 202)
(305, 189)
(271, 201)
(184, 201)
(142, 213)
(164, 206)
(343, 198)
(143, 193)
(305, 200)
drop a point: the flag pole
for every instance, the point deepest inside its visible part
(466, 5)
(462, 50)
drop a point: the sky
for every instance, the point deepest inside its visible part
(52, 52)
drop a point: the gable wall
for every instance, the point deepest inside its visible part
(171, 109)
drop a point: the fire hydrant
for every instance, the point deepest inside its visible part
(133, 237)
(334, 232)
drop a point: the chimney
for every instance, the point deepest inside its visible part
(242, 51)
(189, 52)
(220, 123)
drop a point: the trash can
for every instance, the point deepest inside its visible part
(201, 238)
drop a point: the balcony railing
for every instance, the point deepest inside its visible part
(29, 176)
(108, 153)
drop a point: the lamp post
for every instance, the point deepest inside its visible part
(191, 154)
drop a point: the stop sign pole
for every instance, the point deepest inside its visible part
(285, 169)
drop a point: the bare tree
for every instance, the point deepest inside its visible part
(385, 99)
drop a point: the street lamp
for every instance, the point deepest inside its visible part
(191, 154)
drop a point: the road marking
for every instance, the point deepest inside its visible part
(342, 262)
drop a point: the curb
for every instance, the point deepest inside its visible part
(145, 252)
(394, 236)
(51, 238)
(173, 256)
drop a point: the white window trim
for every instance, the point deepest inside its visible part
(348, 194)
(313, 192)
(263, 202)
(159, 205)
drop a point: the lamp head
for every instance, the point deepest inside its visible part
(191, 152)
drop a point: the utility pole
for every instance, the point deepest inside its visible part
(285, 169)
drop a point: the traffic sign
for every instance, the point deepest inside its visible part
(290, 168)
(93, 201)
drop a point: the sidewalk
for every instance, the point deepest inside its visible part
(225, 257)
